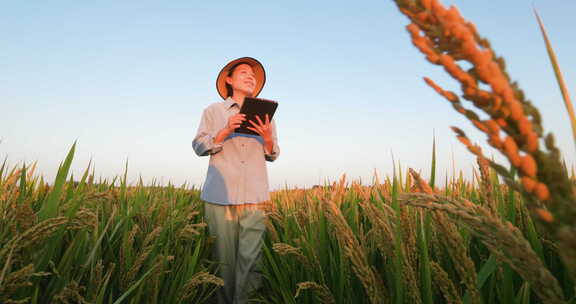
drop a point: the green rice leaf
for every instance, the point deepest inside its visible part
(558, 74)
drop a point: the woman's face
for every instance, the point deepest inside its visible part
(242, 79)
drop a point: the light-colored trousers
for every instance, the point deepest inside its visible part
(238, 249)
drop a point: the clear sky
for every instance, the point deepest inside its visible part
(129, 80)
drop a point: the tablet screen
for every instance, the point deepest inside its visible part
(256, 106)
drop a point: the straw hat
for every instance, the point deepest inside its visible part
(257, 67)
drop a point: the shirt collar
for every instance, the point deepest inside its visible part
(229, 102)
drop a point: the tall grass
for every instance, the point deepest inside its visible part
(513, 127)
(100, 241)
(462, 259)
(109, 242)
(506, 236)
(559, 77)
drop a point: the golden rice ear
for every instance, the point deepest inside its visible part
(516, 130)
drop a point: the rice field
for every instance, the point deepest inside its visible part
(99, 241)
(508, 235)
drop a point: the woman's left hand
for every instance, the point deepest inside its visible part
(263, 129)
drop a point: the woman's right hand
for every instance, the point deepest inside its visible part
(234, 122)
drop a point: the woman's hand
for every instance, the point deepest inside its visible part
(235, 121)
(263, 129)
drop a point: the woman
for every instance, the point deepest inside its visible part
(236, 187)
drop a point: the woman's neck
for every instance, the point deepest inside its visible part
(238, 98)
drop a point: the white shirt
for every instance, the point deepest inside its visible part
(237, 169)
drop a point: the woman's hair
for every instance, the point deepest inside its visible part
(229, 90)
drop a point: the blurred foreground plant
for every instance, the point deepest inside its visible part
(512, 124)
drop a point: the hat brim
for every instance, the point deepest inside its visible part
(257, 67)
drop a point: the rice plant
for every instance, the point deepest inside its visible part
(467, 241)
(505, 236)
(102, 241)
(348, 243)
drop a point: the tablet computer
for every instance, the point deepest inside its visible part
(256, 106)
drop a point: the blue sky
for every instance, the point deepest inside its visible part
(129, 80)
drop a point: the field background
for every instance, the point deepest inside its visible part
(83, 240)
(504, 234)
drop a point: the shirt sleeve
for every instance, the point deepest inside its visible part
(276, 149)
(203, 144)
